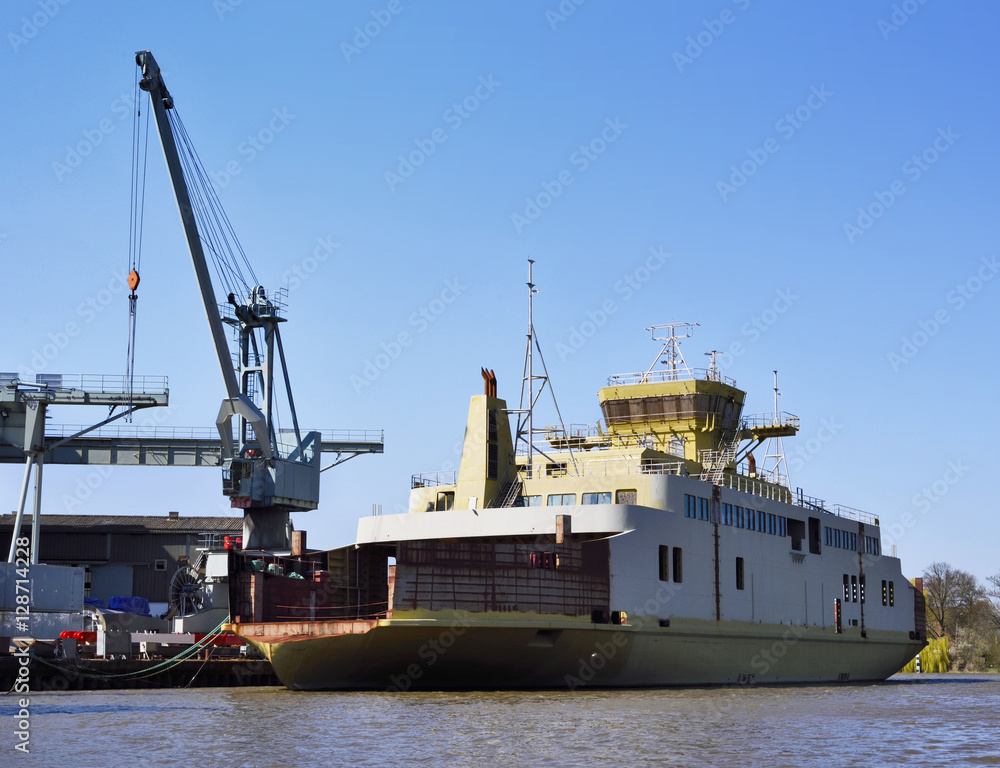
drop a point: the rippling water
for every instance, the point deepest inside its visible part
(912, 719)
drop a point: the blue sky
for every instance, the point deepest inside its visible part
(815, 185)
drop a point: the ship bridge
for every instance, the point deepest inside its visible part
(667, 407)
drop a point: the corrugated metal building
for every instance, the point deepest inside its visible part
(125, 555)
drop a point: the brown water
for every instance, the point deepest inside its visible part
(916, 720)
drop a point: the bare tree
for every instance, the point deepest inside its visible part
(954, 598)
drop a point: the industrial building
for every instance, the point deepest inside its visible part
(126, 555)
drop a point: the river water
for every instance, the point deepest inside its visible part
(916, 720)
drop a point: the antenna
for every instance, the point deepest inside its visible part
(713, 369)
(670, 354)
(774, 468)
(525, 421)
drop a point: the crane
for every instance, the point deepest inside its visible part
(265, 477)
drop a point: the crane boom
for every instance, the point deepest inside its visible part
(264, 477)
(236, 403)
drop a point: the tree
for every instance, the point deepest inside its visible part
(954, 598)
(963, 610)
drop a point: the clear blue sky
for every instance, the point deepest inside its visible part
(741, 138)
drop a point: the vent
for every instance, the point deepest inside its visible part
(159, 565)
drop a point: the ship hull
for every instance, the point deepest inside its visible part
(472, 654)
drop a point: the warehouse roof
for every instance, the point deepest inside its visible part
(127, 523)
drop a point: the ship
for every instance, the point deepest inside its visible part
(646, 550)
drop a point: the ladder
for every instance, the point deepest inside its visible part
(714, 462)
(507, 491)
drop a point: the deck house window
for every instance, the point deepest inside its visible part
(532, 501)
(561, 499)
(702, 509)
(727, 514)
(664, 562)
(739, 573)
(690, 506)
(597, 498)
(678, 565)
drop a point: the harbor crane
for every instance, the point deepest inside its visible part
(267, 472)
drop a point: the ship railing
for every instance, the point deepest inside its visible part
(581, 432)
(782, 419)
(651, 377)
(103, 383)
(858, 515)
(572, 430)
(809, 502)
(433, 479)
(756, 487)
(600, 467)
(848, 513)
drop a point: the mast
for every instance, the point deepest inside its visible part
(525, 419)
(528, 365)
(774, 467)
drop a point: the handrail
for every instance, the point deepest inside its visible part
(434, 479)
(104, 383)
(782, 419)
(642, 377)
(344, 435)
(631, 465)
(134, 432)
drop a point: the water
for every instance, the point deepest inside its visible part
(914, 720)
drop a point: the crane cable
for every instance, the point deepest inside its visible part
(214, 228)
(136, 211)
